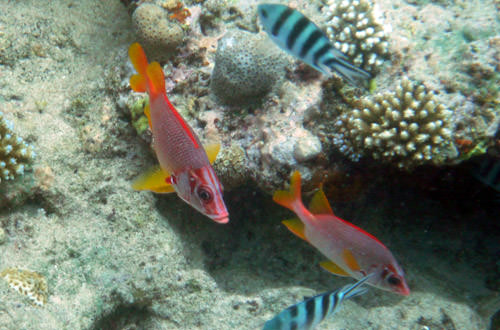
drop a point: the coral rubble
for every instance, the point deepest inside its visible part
(14, 152)
(406, 127)
(31, 284)
(246, 66)
(356, 31)
(230, 166)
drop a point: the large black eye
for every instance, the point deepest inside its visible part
(393, 280)
(264, 13)
(204, 195)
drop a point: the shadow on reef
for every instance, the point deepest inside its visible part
(124, 317)
(254, 244)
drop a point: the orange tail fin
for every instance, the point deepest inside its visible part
(292, 197)
(149, 77)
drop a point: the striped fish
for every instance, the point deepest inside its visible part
(310, 312)
(299, 36)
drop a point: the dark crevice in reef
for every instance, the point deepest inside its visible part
(124, 317)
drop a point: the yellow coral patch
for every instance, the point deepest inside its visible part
(31, 284)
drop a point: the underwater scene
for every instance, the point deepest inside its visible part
(244, 164)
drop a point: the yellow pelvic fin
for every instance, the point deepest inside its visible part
(138, 58)
(153, 180)
(212, 150)
(286, 198)
(157, 78)
(138, 83)
(333, 268)
(295, 226)
(319, 203)
(147, 112)
(350, 260)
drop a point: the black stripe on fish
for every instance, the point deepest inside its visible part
(320, 52)
(325, 305)
(294, 311)
(311, 40)
(281, 20)
(294, 326)
(298, 28)
(310, 307)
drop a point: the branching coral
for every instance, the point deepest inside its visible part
(356, 31)
(406, 127)
(14, 152)
(31, 284)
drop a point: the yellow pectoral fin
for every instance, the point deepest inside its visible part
(350, 260)
(147, 112)
(319, 203)
(333, 268)
(138, 83)
(295, 226)
(153, 180)
(212, 150)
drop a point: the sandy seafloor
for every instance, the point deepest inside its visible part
(119, 259)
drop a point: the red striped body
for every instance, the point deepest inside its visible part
(184, 164)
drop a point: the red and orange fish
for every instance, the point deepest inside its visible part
(184, 163)
(351, 251)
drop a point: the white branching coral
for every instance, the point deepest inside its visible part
(31, 284)
(406, 127)
(14, 152)
(355, 30)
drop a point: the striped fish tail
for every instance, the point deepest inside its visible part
(354, 75)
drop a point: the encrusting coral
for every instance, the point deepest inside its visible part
(31, 284)
(246, 66)
(14, 152)
(406, 127)
(355, 30)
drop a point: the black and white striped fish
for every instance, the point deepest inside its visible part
(310, 312)
(299, 36)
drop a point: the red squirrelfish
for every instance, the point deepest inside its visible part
(351, 251)
(184, 163)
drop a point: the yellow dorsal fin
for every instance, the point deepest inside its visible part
(153, 180)
(212, 150)
(287, 198)
(333, 268)
(319, 203)
(156, 77)
(138, 58)
(147, 112)
(350, 260)
(295, 226)
(138, 83)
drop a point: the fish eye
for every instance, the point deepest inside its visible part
(264, 13)
(393, 280)
(205, 195)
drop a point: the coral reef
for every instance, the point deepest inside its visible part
(31, 284)
(14, 152)
(159, 34)
(246, 66)
(406, 127)
(355, 29)
(231, 168)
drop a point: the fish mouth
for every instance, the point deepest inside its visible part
(224, 218)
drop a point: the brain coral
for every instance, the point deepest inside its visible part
(405, 127)
(356, 31)
(14, 152)
(246, 66)
(157, 32)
